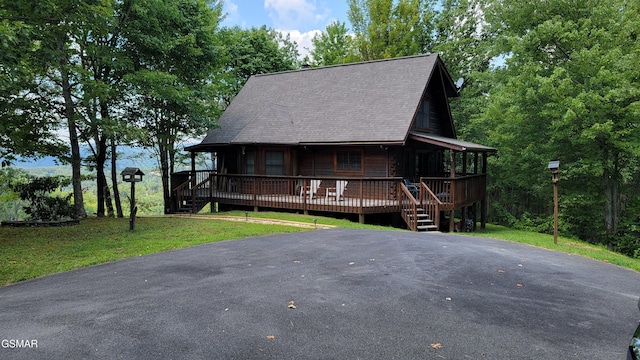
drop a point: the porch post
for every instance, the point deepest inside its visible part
(464, 163)
(475, 163)
(483, 202)
(193, 182)
(452, 174)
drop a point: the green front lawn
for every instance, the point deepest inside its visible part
(27, 253)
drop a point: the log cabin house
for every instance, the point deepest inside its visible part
(363, 138)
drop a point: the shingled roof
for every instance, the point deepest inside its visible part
(370, 102)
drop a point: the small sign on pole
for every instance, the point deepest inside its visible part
(132, 175)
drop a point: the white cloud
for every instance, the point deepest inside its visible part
(295, 14)
(303, 39)
(230, 10)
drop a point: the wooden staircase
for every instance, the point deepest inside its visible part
(188, 199)
(423, 220)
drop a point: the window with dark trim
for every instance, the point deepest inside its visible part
(250, 163)
(274, 163)
(348, 161)
(422, 119)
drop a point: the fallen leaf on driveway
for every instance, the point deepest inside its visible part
(436, 346)
(292, 305)
(271, 337)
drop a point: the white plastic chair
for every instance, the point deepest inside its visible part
(310, 189)
(337, 191)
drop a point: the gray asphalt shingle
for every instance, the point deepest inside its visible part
(367, 102)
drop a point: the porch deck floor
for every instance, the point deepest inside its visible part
(319, 202)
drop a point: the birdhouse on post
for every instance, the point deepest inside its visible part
(132, 175)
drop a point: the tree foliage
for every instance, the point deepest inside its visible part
(40, 204)
(249, 52)
(386, 28)
(334, 46)
(175, 53)
(569, 90)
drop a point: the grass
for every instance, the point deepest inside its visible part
(308, 219)
(27, 253)
(566, 245)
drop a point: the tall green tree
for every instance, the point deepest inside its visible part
(570, 90)
(334, 46)
(55, 64)
(387, 28)
(26, 127)
(249, 52)
(175, 53)
(464, 41)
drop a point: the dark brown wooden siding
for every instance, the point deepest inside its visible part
(321, 161)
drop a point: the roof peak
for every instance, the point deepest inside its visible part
(348, 64)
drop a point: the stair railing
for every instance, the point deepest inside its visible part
(409, 208)
(178, 194)
(200, 195)
(430, 203)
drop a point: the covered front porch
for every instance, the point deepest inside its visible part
(423, 205)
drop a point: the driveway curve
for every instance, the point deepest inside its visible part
(329, 294)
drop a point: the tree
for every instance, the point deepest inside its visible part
(333, 46)
(387, 28)
(464, 41)
(248, 52)
(570, 91)
(50, 72)
(173, 48)
(26, 129)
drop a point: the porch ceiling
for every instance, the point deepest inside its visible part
(449, 143)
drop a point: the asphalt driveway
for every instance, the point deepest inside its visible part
(329, 294)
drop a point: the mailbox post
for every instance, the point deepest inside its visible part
(132, 175)
(554, 167)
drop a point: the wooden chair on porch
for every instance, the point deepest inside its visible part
(337, 191)
(310, 189)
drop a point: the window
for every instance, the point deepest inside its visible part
(250, 163)
(274, 163)
(348, 161)
(422, 120)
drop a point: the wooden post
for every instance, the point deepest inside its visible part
(133, 208)
(555, 210)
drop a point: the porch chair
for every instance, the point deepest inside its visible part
(337, 191)
(310, 189)
(413, 189)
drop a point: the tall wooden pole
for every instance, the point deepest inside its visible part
(555, 209)
(132, 209)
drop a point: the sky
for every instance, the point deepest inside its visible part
(301, 19)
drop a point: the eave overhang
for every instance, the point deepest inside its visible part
(449, 143)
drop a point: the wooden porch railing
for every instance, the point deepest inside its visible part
(189, 191)
(457, 192)
(430, 203)
(360, 195)
(409, 207)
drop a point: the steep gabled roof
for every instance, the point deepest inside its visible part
(370, 102)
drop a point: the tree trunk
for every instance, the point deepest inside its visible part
(76, 161)
(101, 179)
(611, 195)
(107, 200)
(114, 180)
(164, 166)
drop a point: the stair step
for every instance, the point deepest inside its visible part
(427, 228)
